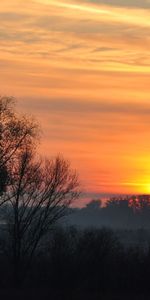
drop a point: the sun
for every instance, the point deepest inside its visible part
(147, 188)
(143, 187)
(139, 186)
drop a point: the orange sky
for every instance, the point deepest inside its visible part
(83, 69)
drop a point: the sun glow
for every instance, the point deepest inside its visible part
(138, 187)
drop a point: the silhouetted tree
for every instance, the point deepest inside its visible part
(39, 194)
(118, 202)
(140, 202)
(3, 179)
(94, 204)
(15, 132)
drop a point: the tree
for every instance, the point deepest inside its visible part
(3, 179)
(94, 204)
(37, 192)
(140, 203)
(15, 132)
(39, 195)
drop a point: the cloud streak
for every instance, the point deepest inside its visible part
(104, 12)
(84, 107)
(121, 3)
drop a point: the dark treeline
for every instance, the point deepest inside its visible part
(124, 212)
(78, 261)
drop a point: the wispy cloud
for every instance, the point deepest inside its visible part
(84, 107)
(128, 3)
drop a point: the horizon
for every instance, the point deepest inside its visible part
(81, 68)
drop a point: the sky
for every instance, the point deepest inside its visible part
(82, 68)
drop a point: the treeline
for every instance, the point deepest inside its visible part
(118, 212)
(91, 260)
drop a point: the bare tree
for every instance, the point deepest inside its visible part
(36, 192)
(39, 194)
(15, 132)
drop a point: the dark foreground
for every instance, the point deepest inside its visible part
(74, 264)
(41, 294)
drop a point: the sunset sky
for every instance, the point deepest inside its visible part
(82, 68)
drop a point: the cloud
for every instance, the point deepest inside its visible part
(84, 107)
(12, 17)
(103, 49)
(59, 38)
(122, 3)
